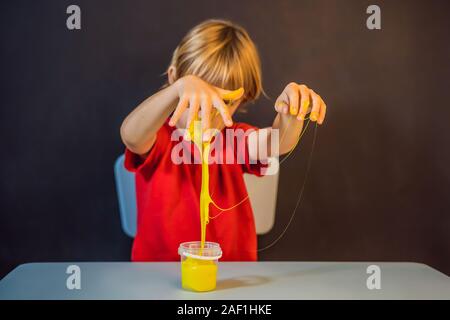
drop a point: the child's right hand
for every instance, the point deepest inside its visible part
(195, 94)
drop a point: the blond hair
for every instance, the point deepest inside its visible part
(222, 54)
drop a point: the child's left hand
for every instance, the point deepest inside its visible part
(297, 99)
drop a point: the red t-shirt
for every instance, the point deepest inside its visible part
(168, 197)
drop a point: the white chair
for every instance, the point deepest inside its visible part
(262, 192)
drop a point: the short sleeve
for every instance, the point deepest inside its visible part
(135, 162)
(254, 167)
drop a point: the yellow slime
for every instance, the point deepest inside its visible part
(199, 274)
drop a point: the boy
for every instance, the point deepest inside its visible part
(213, 58)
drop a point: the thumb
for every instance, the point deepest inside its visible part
(228, 95)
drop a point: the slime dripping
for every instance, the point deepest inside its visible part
(195, 131)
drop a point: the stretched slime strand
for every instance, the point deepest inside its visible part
(222, 210)
(195, 131)
(299, 196)
(199, 275)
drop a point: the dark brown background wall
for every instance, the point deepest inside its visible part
(380, 181)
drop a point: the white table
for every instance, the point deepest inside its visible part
(237, 280)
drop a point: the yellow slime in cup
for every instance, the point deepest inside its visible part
(199, 274)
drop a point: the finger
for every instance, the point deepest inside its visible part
(220, 105)
(293, 95)
(281, 105)
(193, 110)
(230, 95)
(316, 103)
(322, 112)
(182, 105)
(304, 102)
(205, 106)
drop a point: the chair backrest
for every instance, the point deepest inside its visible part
(262, 193)
(126, 193)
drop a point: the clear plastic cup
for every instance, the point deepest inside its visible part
(199, 267)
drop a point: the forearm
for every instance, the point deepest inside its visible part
(138, 130)
(290, 129)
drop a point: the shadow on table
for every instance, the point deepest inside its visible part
(245, 281)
